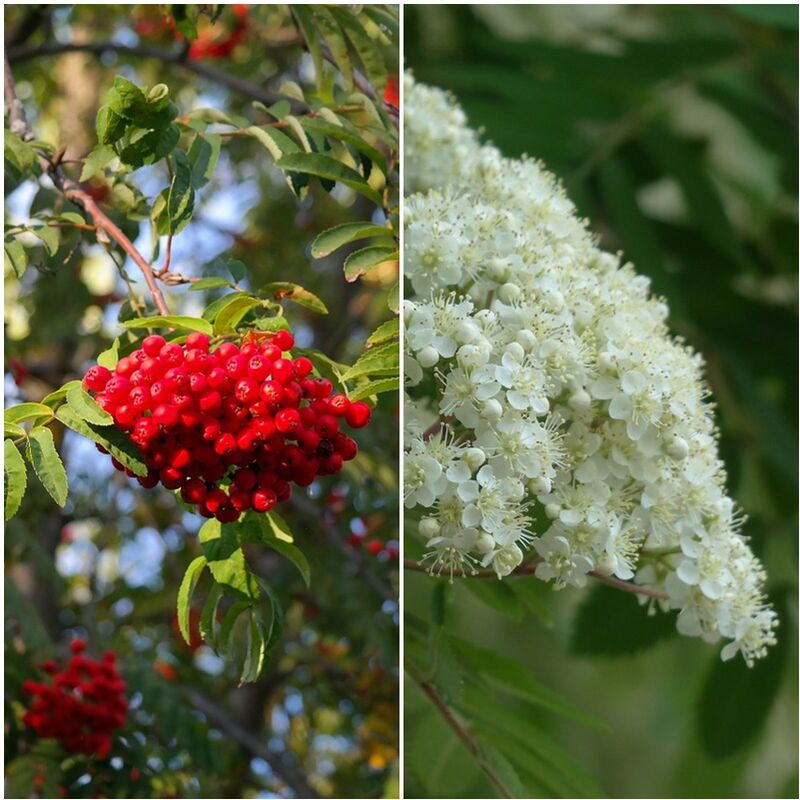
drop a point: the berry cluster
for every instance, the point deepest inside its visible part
(232, 428)
(82, 705)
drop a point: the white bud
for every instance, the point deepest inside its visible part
(514, 349)
(468, 355)
(492, 410)
(509, 292)
(552, 510)
(553, 300)
(526, 339)
(408, 310)
(606, 361)
(428, 527)
(498, 270)
(428, 357)
(467, 331)
(678, 448)
(580, 401)
(540, 485)
(516, 491)
(485, 543)
(475, 458)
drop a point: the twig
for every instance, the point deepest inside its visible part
(529, 568)
(176, 57)
(229, 726)
(75, 192)
(466, 737)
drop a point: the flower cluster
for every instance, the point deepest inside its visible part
(547, 403)
(83, 704)
(230, 428)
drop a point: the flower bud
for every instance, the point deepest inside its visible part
(485, 543)
(428, 527)
(552, 510)
(678, 448)
(492, 410)
(509, 292)
(580, 402)
(475, 458)
(428, 357)
(526, 339)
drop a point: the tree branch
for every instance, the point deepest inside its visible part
(75, 192)
(177, 57)
(529, 568)
(282, 767)
(466, 737)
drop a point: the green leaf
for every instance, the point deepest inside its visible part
(328, 168)
(362, 261)
(256, 652)
(180, 200)
(633, 629)
(13, 431)
(385, 332)
(345, 133)
(368, 50)
(337, 43)
(209, 283)
(111, 438)
(126, 99)
(503, 769)
(374, 387)
(272, 324)
(381, 360)
(54, 399)
(48, 236)
(109, 125)
(736, 699)
(233, 312)
(27, 411)
(276, 142)
(226, 559)
(96, 161)
(515, 679)
(185, 17)
(185, 591)
(283, 290)
(497, 595)
(332, 239)
(42, 454)
(237, 269)
(228, 622)
(86, 408)
(209, 616)
(304, 17)
(16, 478)
(109, 358)
(16, 257)
(203, 155)
(293, 554)
(279, 527)
(394, 298)
(177, 322)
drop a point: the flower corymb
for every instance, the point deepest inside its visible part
(547, 405)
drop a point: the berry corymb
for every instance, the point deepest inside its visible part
(230, 427)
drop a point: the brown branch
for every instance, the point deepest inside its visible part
(75, 192)
(177, 57)
(529, 568)
(279, 763)
(466, 737)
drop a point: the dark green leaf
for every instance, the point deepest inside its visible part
(16, 256)
(497, 595)
(86, 408)
(209, 616)
(332, 239)
(228, 623)
(362, 261)
(209, 283)
(374, 387)
(381, 360)
(42, 454)
(110, 125)
(16, 478)
(283, 290)
(185, 591)
(177, 322)
(329, 168)
(203, 155)
(385, 332)
(633, 629)
(97, 159)
(233, 312)
(112, 439)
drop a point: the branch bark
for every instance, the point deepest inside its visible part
(529, 568)
(177, 57)
(74, 192)
(279, 763)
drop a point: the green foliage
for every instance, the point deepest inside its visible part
(42, 454)
(613, 623)
(16, 479)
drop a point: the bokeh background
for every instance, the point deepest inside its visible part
(674, 130)
(108, 566)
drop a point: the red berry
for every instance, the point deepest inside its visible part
(271, 393)
(193, 491)
(358, 415)
(152, 345)
(225, 445)
(96, 378)
(283, 370)
(284, 340)
(303, 367)
(339, 404)
(374, 546)
(264, 500)
(287, 420)
(167, 416)
(197, 341)
(226, 350)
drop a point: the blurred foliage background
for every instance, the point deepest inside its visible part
(324, 717)
(674, 130)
